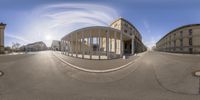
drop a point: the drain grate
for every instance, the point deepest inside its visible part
(1, 73)
(197, 74)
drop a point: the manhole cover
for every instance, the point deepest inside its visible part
(196, 73)
(1, 73)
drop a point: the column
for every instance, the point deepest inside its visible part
(99, 44)
(71, 45)
(132, 45)
(83, 47)
(61, 44)
(121, 50)
(107, 44)
(76, 45)
(115, 36)
(91, 45)
(68, 48)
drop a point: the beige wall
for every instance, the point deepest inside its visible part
(161, 45)
(2, 27)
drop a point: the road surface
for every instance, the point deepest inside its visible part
(154, 76)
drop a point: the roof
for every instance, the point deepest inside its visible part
(126, 22)
(184, 26)
(91, 27)
(2, 24)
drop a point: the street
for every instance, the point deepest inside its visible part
(154, 76)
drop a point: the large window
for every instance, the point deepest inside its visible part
(181, 34)
(174, 43)
(190, 32)
(181, 42)
(175, 36)
(125, 31)
(190, 41)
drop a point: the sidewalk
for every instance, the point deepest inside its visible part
(177, 54)
(97, 64)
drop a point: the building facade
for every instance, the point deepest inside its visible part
(55, 45)
(36, 46)
(100, 42)
(185, 39)
(2, 28)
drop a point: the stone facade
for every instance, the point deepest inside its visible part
(185, 39)
(2, 28)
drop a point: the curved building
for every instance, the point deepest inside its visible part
(100, 42)
(185, 39)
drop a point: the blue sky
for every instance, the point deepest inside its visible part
(34, 20)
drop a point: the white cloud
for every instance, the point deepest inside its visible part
(57, 20)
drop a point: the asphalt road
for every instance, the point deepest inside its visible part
(154, 76)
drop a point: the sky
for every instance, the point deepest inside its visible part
(46, 20)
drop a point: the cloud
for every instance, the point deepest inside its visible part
(57, 20)
(20, 38)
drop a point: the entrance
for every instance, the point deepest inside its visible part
(127, 47)
(190, 50)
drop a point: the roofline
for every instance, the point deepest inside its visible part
(181, 27)
(85, 28)
(125, 21)
(2, 24)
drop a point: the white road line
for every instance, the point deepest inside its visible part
(95, 71)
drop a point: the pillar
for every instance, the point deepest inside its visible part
(115, 36)
(121, 44)
(99, 44)
(76, 45)
(132, 45)
(107, 44)
(91, 45)
(83, 47)
(71, 45)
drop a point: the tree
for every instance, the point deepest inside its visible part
(15, 46)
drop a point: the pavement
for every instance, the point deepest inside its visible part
(97, 65)
(154, 76)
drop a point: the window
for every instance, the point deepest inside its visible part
(174, 43)
(174, 35)
(181, 42)
(131, 34)
(115, 25)
(125, 31)
(126, 25)
(190, 41)
(190, 32)
(181, 33)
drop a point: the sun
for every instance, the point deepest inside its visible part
(48, 37)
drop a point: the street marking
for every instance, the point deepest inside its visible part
(95, 71)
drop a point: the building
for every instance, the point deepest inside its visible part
(2, 28)
(37, 46)
(98, 42)
(55, 45)
(185, 39)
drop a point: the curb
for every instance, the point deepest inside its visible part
(94, 71)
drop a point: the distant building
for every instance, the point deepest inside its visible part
(185, 39)
(2, 28)
(37, 46)
(56, 45)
